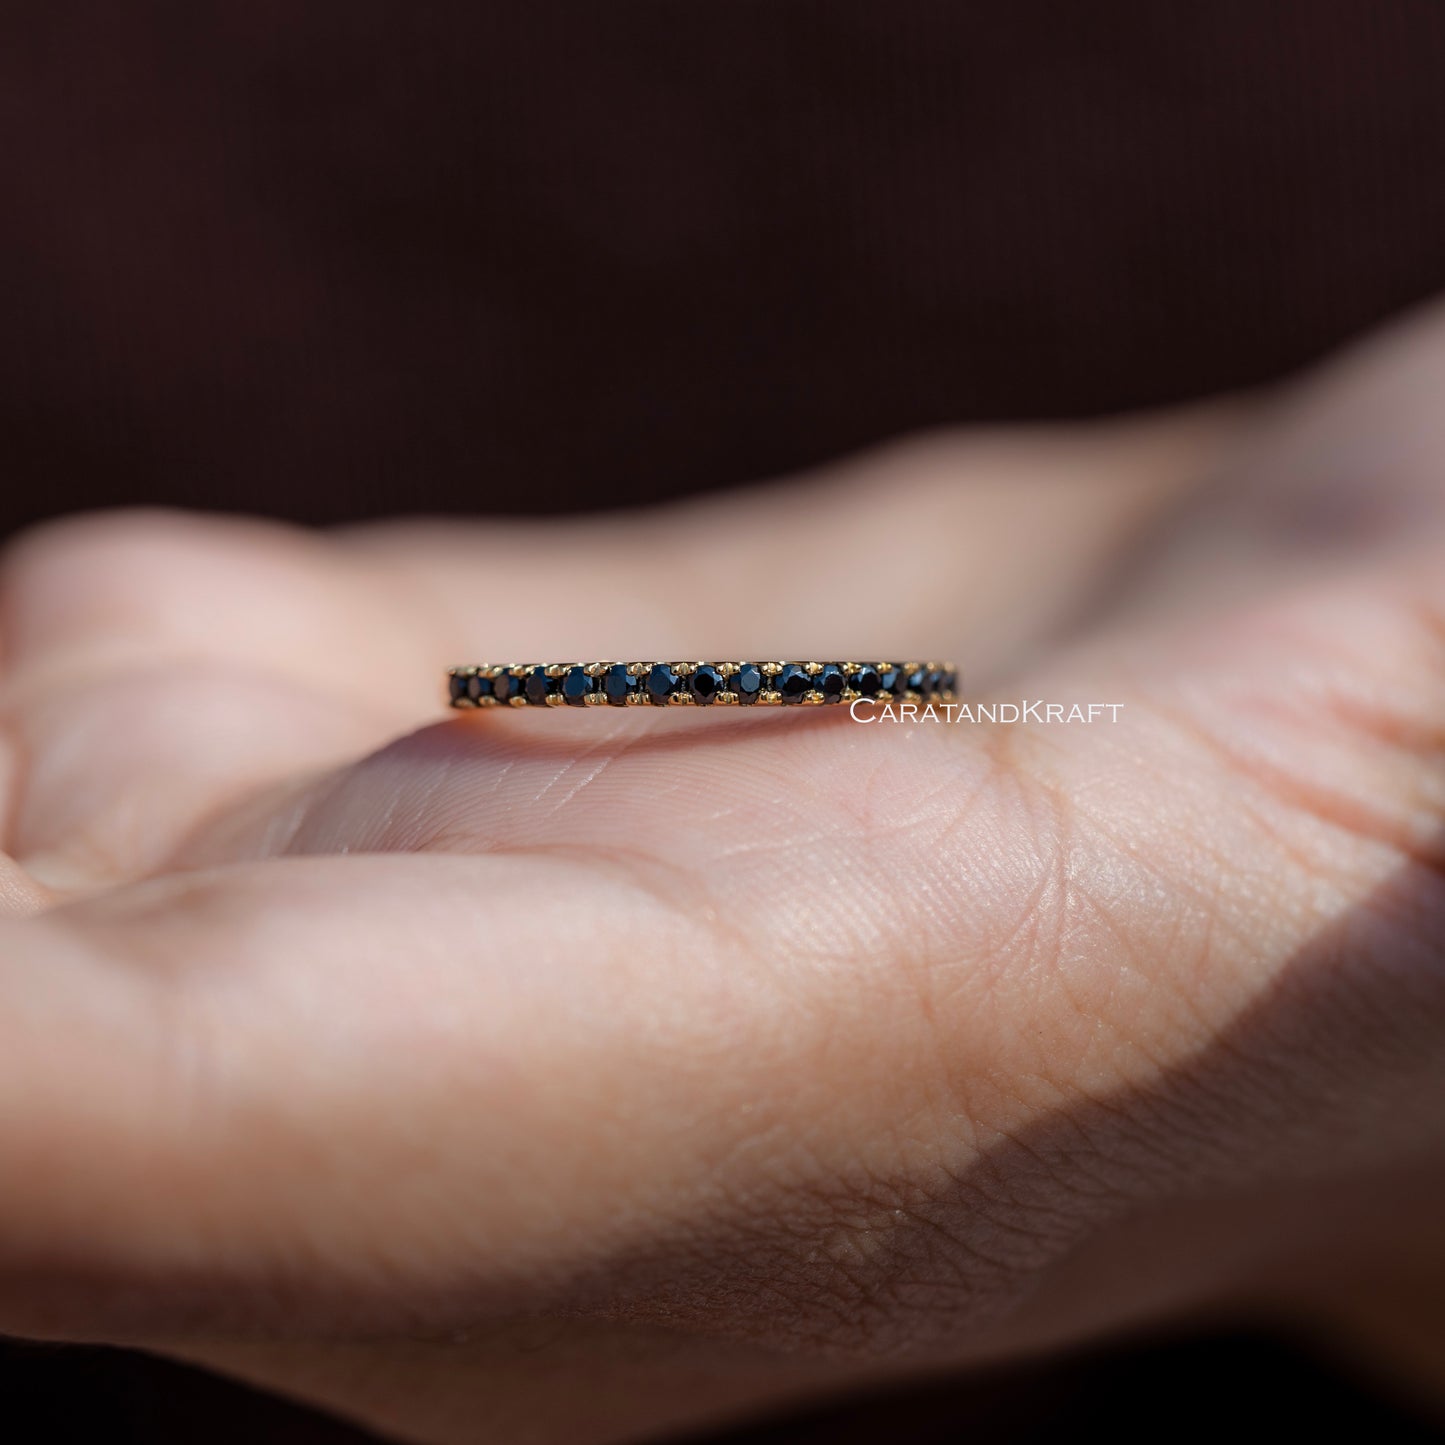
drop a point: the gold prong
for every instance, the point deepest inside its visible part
(813, 698)
(681, 699)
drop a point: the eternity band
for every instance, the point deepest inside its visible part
(669, 684)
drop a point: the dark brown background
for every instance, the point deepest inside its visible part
(331, 258)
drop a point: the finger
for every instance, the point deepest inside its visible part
(158, 667)
(881, 1054)
(163, 669)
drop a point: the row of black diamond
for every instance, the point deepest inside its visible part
(660, 683)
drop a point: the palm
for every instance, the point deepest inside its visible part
(629, 1017)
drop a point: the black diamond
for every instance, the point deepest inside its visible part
(831, 682)
(504, 685)
(891, 679)
(618, 684)
(661, 683)
(948, 681)
(539, 686)
(793, 681)
(576, 685)
(457, 686)
(865, 680)
(478, 687)
(920, 680)
(706, 683)
(747, 682)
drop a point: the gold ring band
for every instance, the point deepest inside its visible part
(672, 684)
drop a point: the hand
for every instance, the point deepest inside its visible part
(569, 1077)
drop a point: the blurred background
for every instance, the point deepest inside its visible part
(327, 260)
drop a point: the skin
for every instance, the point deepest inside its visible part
(573, 1078)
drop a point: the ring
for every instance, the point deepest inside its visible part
(697, 684)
